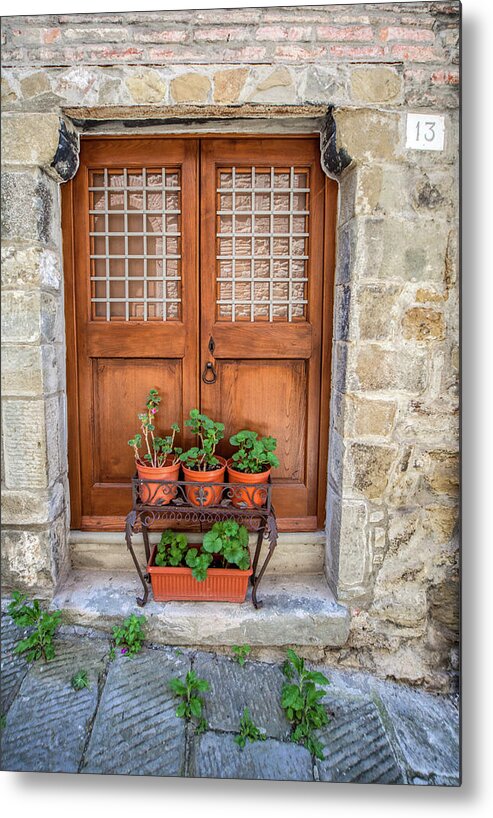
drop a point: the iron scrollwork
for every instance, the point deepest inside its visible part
(190, 503)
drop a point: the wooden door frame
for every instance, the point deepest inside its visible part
(73, 426)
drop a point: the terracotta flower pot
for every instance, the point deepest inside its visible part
(220, 584)
(205, 496)
(154, 494)
(247, 497)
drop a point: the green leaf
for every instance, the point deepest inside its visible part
(178, 687)
(181, 710)
(317, 677)
(195, 707)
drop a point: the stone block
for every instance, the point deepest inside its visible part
(377, 308)
(442, 472)
(52, 329)
(368, 416)
(405, 605)
(118, 743)
(228, 84)
(274, 87)
(217, 756)
(22, 372)
(377, 368)
(29, 139)
(26, 560)
(369, 469)
(422, 324)
(26, 507)
(35, 84)
(30, 268)
(375, 84)
(52, 713)
(21, 319)
(354, 556)
(410, 250)
(342, 304)
(441, 522)
(368, 135)
(9, 95)
(190, 87)
(322, 84)
(146, 86)
(28, 207)
(24, 428)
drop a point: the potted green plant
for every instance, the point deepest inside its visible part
(218, 569)
(161, 458)
(200, 463)
(252, 463)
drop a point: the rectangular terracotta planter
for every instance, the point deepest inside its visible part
(220, 585)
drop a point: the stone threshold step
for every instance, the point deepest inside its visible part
(296, 611)
(298, 552)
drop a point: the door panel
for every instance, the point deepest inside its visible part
(262, 211)
(135, 293)
(170, 243)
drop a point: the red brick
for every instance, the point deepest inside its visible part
(104, 52)
(356, 51)
(298, 52)
(51, 35)
(407, 34)
(445, 77)
(273, 33)
(413, 53)
(245, 54)
(213, 35)
(173, 36)
(299, 33)
(341, 34)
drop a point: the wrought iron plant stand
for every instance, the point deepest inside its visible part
(257, 516)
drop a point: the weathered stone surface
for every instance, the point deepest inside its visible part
(9, 95)
(228, 84)
(276, 87)
(354, 564)
(367, 416)
(426, 728)
(422, 324)
(22, 370)
(404, 605)
(14, 666)
(296, 611)
(30, 268)
(146, 86)
(224, 707)
(190, 88)
(370, 467)
(21, 320)
(378, 306)
(444, 598)
(367, 135)
(322, 83)
(47, 723)
(442, 472)
(428, 296)
(29, 139)
(217, 756)
(139, 734)
(28, 207)
(35, 84)
(378, 368)
(276, 79)
(26, 559)
(36, 506)
(356, 747)
(375, 84)
(441, 522)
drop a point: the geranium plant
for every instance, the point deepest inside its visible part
(157, 449)
(209, 433)
(254, 454)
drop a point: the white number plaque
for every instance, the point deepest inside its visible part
(425, 132)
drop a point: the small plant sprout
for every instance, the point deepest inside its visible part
(300, 701)
(191, 704)
(39, 643)
(158, 449)
(209, 433)
(129, 637)
(240, 653)
(79, 680)
(248, 731)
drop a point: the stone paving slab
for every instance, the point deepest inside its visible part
(356, 746)
(48, 722)
(216, 755)
(136, 731)
(13, 667)
(234, 687)
(426, 728)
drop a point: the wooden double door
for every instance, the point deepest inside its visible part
(203, 268)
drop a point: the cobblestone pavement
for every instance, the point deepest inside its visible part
(125, 722)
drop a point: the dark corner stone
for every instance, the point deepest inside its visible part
(66, 159)
(334, 160)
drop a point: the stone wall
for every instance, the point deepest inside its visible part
(393, 452)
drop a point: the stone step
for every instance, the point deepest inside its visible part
(296, 552)
(298, 611)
